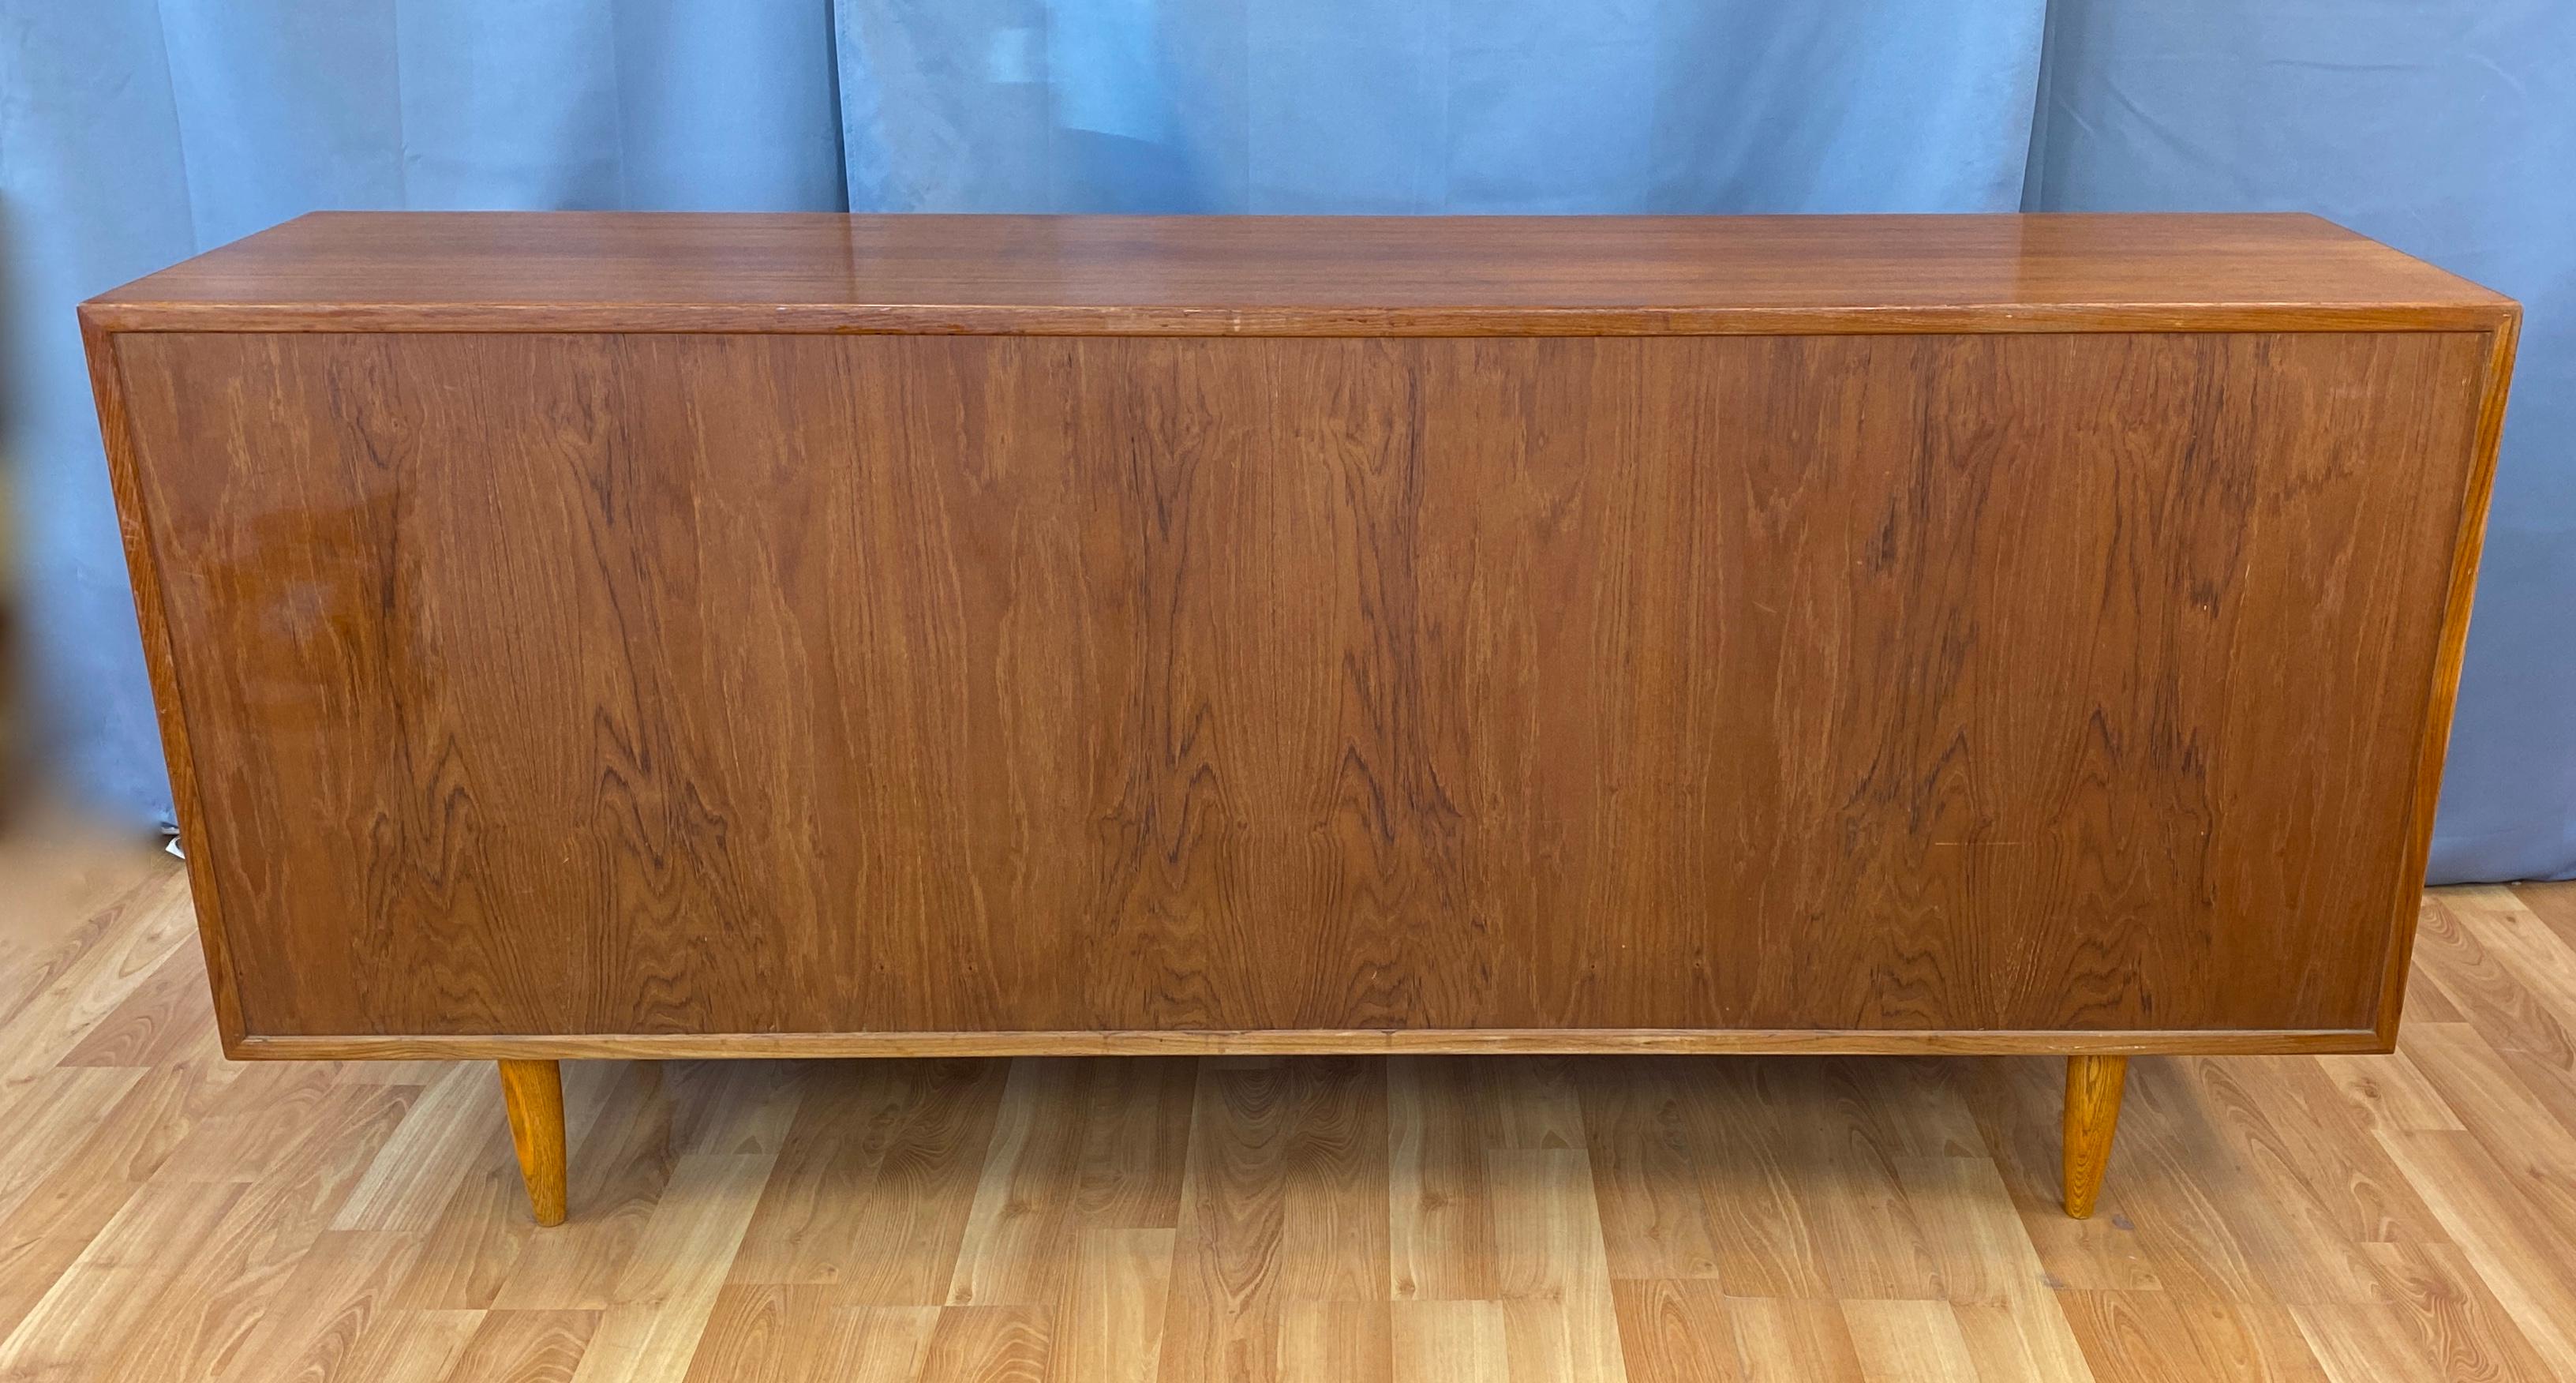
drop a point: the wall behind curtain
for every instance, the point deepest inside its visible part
(139, 132)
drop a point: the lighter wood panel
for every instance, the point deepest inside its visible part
(1350, 1220)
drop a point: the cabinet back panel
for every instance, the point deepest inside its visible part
(699, 683)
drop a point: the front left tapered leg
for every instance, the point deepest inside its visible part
(533, 1091)
(2093, 1085)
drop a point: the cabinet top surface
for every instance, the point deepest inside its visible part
(643, 271)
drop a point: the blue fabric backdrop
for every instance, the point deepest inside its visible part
(136, 132)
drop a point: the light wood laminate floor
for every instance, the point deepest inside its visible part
(166, 1215)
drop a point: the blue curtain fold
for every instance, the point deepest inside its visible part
(136, 132)
(1353, 106)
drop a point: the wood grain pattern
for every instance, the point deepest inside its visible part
(1756, 1218)
(2093, 1088)
(1275, 276)
(709, 685)
(532, 1091)
(125, 472)
(2459, 591)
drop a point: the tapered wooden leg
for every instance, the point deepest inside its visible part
(2093, 1085)
(533, 1090)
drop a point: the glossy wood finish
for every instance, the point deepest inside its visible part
(2091, 1118)
(532, 1092)
(583, 634)
(1272, 276)
(168, 1215)
(2458, 593)
(187, 802)
(709, 684)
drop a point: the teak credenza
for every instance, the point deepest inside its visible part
(675, 635)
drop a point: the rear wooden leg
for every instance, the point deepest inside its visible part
(533, 1090)
(2093, 1085)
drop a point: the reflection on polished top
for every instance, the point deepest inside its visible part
(1295, 275)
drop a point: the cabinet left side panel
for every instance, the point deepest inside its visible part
(116, 434)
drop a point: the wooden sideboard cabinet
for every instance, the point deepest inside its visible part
(678, 635)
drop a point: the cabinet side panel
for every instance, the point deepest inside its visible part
(134, 530)
(2435, 735)
(746, 684)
